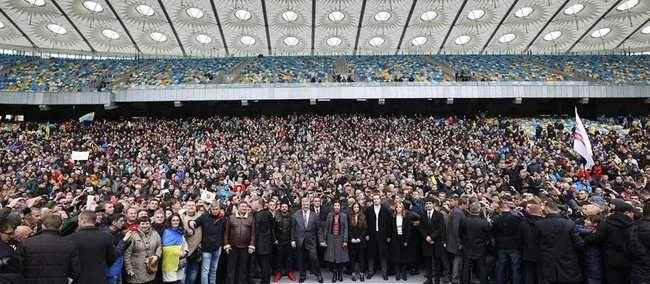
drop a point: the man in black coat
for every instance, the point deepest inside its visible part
(48, 258)
(507, 237)
(9, 261)
(474, 234)
(530, 245)
(612, 235)
(559, 243)
(282, 234)
(378, 219)
(432, 229)
(264, 239)
(96, 250)
(638, 250)
(304, 238)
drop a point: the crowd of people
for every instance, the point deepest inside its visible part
(206, 200)
(27, 73)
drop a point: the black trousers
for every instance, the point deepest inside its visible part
(470, 264)
(237, 266)
(264, 262)
(530, 272)
(304, 254)
(379, 254)
(358, 258)
(616, 275)
(436, 264)
(282, 259)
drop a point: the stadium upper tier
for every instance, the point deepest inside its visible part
(37, 74)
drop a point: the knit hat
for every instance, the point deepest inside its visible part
(621, 206)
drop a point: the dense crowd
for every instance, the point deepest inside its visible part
(24, 73)
(501, 200)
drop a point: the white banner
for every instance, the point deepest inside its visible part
(79, 156)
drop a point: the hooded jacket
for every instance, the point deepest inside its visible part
(613, 236)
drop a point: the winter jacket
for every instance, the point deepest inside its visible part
(559, 243)
(282, 228)
(612, 237)
(264, 232)
(212, 231)
(474, 235)
(506, 231)
(638, 251)
(48, 258)
(142, 247)
(96, 252)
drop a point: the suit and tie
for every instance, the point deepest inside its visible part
(304, 232)
(432, 225)
(378, 220)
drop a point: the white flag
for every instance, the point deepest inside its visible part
(87, 117)
(581, 142)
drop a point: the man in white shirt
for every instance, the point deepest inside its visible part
(378, 221)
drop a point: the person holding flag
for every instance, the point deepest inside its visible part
(581, 142)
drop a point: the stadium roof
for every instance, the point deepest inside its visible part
(325, 27)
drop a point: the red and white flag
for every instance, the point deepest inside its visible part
(581, 142)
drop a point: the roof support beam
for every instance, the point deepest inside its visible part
(313, 27)
(216, 17)
(594, 25)
(363, 12)
(460, 11)
(406, 25)
(18, 28)
(110, 6)
(73, 25)
(169, 20)
(633, 33)
(266, 27)
(494, 32)
(546, 25)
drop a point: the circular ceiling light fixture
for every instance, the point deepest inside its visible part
(37, 3)
(382, 16)
(93, 6)
(2, 25)
(552, 35)
(461, 40)
(428, 16)
(524, 12)
(203, 39)
(110, 34)
(419, 41)
(158, 36)
(574, 9)
(290, 16)
(336, 16)
(144, 10)
(646, 30)
(291, 41)
(600, 32)
(476, 14)
(334, 41)
(376, 41)
(627, 5)
(243, 15)
(247, 40)
(57, 29)
(507, 38)
(194, 12)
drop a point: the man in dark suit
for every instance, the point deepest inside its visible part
(432, 229)
(378, 220)
(96, 250)
(321, 213)
(304, 238)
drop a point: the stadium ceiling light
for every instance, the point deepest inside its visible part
(2, 25)
(600, 32)
(336, 16)
(203, 39)
(291, 41)
(419, 41)
(334, 41)
(428, 16)
(57, 29)
(646, 30)
(476, 14)
(552, 35)
(144, 10)
(243, 15)
(37, 3)
(93, 6)
(524, 12)
(382, 16)
(247, 40)
(195, 13)
(290, 16)
(627, 5)
(462, 39)
(376, 41)
(111, 34)
(507, 38)
(574, 9)
(158, 36)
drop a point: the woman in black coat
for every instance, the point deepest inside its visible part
(358, 231)
(402, 251)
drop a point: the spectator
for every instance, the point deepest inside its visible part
(212, 226)
(358, 233)
(264, 238)
(304, 239)
(335, 239)
(239, 243)
(174, 251)
(474, 235)
(95, 247)
(143, 254)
